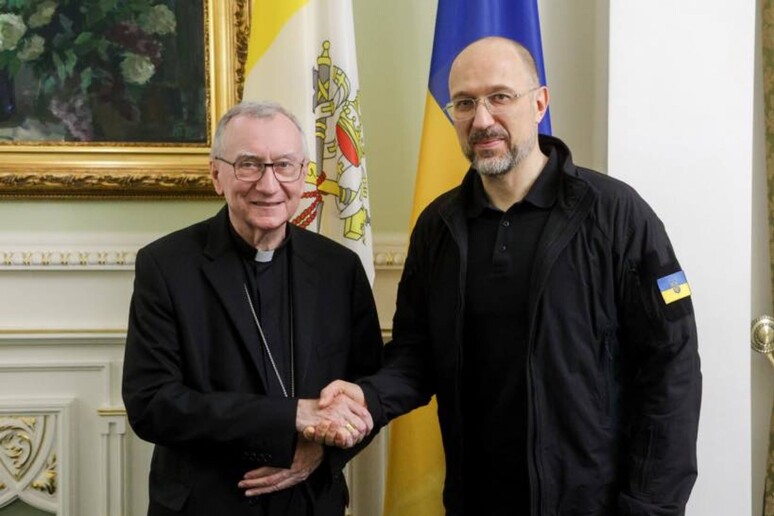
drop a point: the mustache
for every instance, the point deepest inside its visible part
(486, 134)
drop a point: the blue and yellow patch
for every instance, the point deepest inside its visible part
(674, 287)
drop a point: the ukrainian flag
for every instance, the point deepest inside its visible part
(416, 461)
(674, 287)
(457, 24)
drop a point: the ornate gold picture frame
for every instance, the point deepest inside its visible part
(130, 169)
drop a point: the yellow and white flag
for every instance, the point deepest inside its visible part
(302, 54)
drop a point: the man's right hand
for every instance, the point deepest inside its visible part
(331, 431)
(336, 420)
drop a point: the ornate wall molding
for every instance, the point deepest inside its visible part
(114, 461)
(71, 252)
(62, 337)
(101, 367)
(80, 252)
(51, 438)
(80, 338)
(36, 454)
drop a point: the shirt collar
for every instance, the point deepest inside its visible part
(543, 191)
(250, 253)
(542, 194)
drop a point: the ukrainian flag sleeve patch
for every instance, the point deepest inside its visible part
(674, 287)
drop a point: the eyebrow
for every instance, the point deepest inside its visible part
(287, 155)
(496, 89)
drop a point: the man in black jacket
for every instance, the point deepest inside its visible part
(543, 305)
(236, 323)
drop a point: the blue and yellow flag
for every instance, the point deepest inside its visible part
(457, 24)
(674, 287)
(416, 468)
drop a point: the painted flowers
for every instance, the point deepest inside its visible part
(84, 53)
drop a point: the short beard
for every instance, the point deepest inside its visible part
(498, 166)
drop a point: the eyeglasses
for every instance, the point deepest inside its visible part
(250, 170)
(464, 108)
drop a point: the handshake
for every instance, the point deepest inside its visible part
(339, 418)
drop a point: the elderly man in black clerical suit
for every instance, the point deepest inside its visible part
(236, 324)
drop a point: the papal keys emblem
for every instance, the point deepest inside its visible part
(338, 169)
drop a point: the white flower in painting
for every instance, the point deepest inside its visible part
(159, 20)
(43, 15)
(12, 29)
(137, 69)
(32, 48)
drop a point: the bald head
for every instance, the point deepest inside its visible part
(494, 50)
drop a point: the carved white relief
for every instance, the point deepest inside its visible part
(17, 253)
(28, 463)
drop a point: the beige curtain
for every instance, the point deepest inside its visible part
(767, 34)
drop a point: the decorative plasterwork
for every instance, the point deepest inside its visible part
(34, 435)
(389, 253)
(20, 438)
(67, 259)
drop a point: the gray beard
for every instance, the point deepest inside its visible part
(498, 166)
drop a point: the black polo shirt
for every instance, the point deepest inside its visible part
(501, 250)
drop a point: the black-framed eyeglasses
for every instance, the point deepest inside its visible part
(250, 169)
(464, 108)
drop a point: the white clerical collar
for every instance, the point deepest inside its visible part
(264, 256)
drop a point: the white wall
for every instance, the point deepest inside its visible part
(681, 132)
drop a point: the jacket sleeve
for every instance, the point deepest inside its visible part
(365, 356)
(662, 377)
(405, 381)
(161, 406)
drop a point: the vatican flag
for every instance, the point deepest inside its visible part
(301, 54)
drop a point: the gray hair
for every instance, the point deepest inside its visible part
(261, 109)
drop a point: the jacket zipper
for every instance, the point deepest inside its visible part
(462, 254)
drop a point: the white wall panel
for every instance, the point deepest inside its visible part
(681, 131)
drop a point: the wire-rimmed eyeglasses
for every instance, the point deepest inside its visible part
(464, 108)
(250, 169)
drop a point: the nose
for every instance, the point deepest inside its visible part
(268, 181)
(482, 117)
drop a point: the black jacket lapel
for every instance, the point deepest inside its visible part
(225, 273)
(305, 293)
(574, 201)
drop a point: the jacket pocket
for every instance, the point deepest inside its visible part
(641, 461)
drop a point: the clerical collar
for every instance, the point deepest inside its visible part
(263, 256)
(250, 253)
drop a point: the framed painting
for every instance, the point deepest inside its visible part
(115, 98)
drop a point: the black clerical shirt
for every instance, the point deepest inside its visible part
(268, 283)
(501, 250)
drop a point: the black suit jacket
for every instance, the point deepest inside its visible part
(192, 383)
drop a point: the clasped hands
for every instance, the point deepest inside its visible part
(339, 418)
(343, 419)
